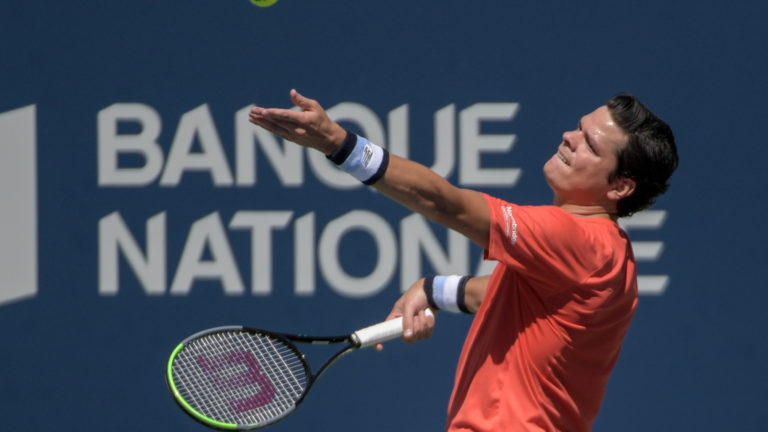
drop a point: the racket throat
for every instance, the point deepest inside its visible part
(341, 353)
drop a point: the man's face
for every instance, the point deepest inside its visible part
(578, 172)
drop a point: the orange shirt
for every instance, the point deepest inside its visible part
(549, 330)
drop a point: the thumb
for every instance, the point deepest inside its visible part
(301, 101)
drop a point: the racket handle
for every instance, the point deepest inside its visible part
(381, 332)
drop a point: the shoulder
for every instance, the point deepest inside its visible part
(534, 218)
(558, 229)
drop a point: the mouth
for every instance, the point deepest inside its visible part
(562, 158)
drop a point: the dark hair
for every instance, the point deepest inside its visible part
(650, 156)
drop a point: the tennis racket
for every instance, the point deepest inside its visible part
(240, 378)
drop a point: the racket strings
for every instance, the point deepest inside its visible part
(239, 378)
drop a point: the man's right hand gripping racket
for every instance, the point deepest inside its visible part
(240, 378)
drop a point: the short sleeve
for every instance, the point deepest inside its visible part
(544, 243)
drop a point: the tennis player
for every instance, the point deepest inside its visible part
(551, 318)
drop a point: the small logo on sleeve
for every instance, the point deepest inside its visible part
(510, 224)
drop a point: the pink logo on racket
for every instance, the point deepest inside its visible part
(216, 367)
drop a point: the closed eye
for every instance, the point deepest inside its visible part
(587, 138)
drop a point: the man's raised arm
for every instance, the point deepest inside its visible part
(409, 183)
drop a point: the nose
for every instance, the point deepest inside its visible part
(568, 139)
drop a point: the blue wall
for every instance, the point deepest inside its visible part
(125, 252)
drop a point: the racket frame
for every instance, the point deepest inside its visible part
(288, 340)
(365, 337)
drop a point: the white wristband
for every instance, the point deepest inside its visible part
(446, 292)
(361, 158)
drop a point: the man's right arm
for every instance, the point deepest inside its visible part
(474, 292)
(414, 301)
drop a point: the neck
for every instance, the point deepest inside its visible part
(593, 210)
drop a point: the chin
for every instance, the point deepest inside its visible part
(549, 173)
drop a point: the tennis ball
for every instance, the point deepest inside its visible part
(263, 3)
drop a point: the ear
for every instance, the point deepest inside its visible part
(621, 188)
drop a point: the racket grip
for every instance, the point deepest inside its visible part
(381, 332)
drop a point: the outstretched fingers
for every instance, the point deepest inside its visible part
(257, 117)
(285, 117)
